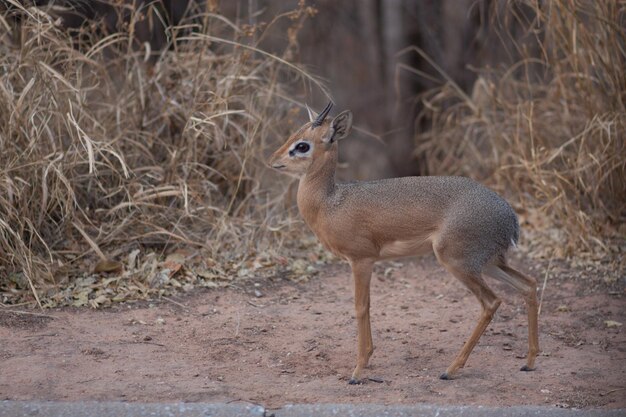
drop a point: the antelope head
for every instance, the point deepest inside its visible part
(311, 142)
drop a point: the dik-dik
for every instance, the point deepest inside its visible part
(467, 226)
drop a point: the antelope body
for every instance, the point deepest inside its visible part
(467, 226)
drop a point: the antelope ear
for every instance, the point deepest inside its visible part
(340, 126)
(310, 112)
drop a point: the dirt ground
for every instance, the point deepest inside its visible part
(295, 343)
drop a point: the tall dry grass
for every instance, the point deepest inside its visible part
(548, 131)
(103, 152)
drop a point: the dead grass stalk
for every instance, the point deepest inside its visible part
(549, 130)
(105, 152)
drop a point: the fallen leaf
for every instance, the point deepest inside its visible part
(181, 255)
(612, 323)
(172, 266)
(99, 300)
(150, 264)
(299, 266)
(85, 282)
(106, 282)
(388, 271)
(108, 266)
(160, 279)
(132, 259)
(209, 284)
(81, 298)
(206, 274)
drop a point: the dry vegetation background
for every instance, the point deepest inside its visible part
(132, 146)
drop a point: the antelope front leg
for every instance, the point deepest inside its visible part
(362, 274)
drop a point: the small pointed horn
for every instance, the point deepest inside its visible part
(311, 115)
(322, 115)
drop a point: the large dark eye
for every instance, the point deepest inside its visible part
(303, 147)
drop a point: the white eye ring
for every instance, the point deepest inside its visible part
(301, 148)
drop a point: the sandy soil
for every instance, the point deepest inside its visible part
(296, 343)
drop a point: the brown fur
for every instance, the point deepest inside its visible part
(468, 226)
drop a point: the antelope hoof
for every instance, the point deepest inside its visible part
(445, 376)
(354, 381)
(526, 368)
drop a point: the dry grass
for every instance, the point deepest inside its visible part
(109, 163)
(548, 131)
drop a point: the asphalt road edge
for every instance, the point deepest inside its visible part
(126, 409)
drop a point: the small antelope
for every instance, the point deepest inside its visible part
(469, 228)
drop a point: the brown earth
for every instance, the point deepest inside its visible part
(295, 343)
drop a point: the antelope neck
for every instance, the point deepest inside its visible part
(317, 185)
